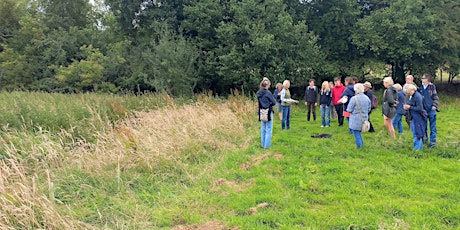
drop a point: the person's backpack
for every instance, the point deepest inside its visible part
(374, 103)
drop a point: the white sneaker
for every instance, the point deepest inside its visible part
(322, 125)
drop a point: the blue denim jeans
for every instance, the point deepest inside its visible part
(285, 122)
(325, 115)
(433, 130)
(266, 130)
(358, 138)
(418, 143)
(397, 123)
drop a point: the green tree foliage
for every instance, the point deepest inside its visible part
(85, 74)
(333, 21)
(260, 39)
(65, 13)
(185, 46)
(21, 58)
(10, 14)
(397, 34)
(165, 66)
(446, 48)
(201, 21)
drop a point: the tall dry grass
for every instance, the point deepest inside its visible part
(24, 202)
(167, 135)
(38, 169)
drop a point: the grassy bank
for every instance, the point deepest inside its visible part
(152, 162)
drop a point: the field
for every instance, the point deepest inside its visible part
(153, 162)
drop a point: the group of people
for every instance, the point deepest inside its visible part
(355, 102)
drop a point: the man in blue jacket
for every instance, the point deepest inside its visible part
(430, 103)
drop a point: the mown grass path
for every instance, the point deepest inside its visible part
(302, 183)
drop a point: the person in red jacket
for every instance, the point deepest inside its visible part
(337, 90)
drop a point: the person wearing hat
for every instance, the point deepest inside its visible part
(430, 103)
(368, 92)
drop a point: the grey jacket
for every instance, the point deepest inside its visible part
(356, 119)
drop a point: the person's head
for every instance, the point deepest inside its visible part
(409, 79)
(359, 88)
(367, 85)
(397, 86)
(348, 80)
(266, 79)
(265, 84)
(426, 78)
(279, 86)
(409, 89)
(325, 86)
(311, 82)
(388, 82)
(286, 84)
(337, 81)
(354, 80)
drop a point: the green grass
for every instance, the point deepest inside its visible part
(329, 184)
(299, 183)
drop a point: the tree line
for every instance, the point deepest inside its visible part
(186, 46)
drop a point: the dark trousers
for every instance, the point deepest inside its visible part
(311, 109)
(371, 129)
(339, 110)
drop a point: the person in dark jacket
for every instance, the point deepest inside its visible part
(311, 99)
(325, 102)
(430, 100)
(418, 115)
(266, 101)
(347, 94)
(368, 92)
(400, 112)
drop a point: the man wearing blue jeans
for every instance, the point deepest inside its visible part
(430, 102)
(286, 102)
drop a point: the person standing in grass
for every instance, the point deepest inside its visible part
(347, 94)
(286, 102)
(277, 95)
(333, 112)
(325, 100)
(409, 80)
(266, 101)
(400, 112)
(311, 99)
(359, 107)
(337, 90)
(368, 92)
(430, 100)
(418, 115)
(390, 101)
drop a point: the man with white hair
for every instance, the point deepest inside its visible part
(410, 80)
